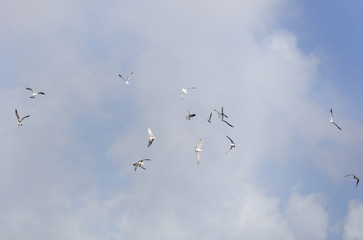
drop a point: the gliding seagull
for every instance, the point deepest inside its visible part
(332, 120)
(198, 149)
(354, 177)
(232, 144)
(34, 93)
(18, 118)
(151, 137)
(127, 79)
(210, 118)
(140, 163)
(184, 91)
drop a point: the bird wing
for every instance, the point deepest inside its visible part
(349, 175)
(121, 77)
(331, 113)
(135, 166)
(150, 142)
(210, 116)
(24, 118)
(146, 159)
(229, 139)
(150, 132)
(337, 126)
(30, 89)
(17, 115)
(200, 143)
(198, 159)
(356, 185)
(41, 93)
(128, 77)
(228, 123)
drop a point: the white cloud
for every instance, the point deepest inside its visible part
(353, 222)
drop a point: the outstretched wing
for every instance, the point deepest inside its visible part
(228, 123)
(121, 77)
(229, 139)
(17, 115)
(198, 157)
(41, 93)
(348, 175)
(150, 132)
(30, 89)
(128, 77)
(200, 143)
(337, 126)
(24, 118)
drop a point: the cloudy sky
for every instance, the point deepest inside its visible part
(276, 66)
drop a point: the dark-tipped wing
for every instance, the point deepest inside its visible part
(30, 89)
(41, 93)
(349, 175)
(228, 123)
(17, 115)
(337, 126)
(229, 139)
(24, 118)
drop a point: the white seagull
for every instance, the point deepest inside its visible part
(354, 177)
(332, 119)
(140, 163)
(231, 144)
(151, 137)
(198, 149)
(34, 93)
(184, 91)
(18, 118)
(127, 79)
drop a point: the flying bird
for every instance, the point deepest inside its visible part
(18, 118)
(127, 79)
(228, 123)
(221, 114)
(198, 149)
(210, 118)
(140, 163)
(34, 93)
(151, 137)
(190, 116)
(184, 91)
(231, 144)
(332, 119)
(354, 177)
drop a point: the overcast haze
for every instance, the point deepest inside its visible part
(68, 173)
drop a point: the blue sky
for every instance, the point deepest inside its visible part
(276, 66)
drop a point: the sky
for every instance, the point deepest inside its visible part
(277, 67)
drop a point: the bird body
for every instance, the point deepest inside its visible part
(198, 149)
(151, 137)
(184, 91)
(20, 120)
(231, 144)
(140, 163)
(33, 94)
(354, 177)
(127, 79)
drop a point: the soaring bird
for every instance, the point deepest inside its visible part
(221, 114)
(18, 118)
(231, 144)
(184, 91)
(354, 177)
(198, 149)
(332, 119)
(190, 116)
(127, 79)
(151, 137)
(34, 93)
(140, 163)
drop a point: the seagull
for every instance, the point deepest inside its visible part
(190, 116)
(140, 163)
(127, 79)
(151, 137)
(219, 114)
(228, 123)
(20, 120)
(354, 177)
(210, 118)
(34, 93)
(184, 91)
(232, 144)
(332, 120)
(198, 149)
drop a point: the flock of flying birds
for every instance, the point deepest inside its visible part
(198, 149)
